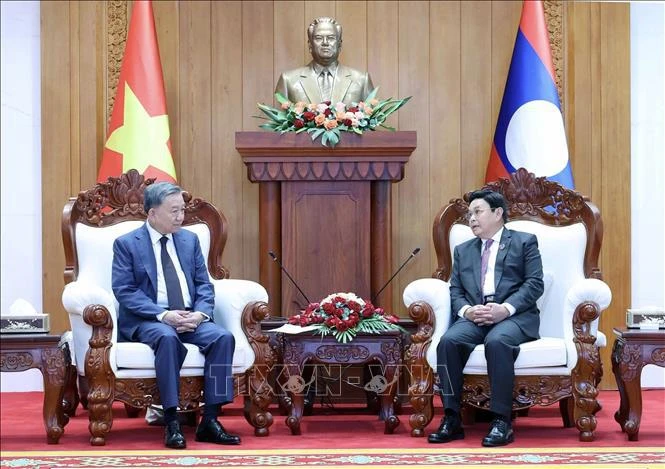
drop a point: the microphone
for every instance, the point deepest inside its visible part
(413, 254)
(274, 258)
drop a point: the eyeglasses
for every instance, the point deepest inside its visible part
(476, 213)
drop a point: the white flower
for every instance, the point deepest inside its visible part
(347, 297)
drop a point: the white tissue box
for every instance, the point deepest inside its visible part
(23, 324)
(645, 318)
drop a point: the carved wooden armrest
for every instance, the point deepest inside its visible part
(98, 371)
(257, 377)
(422, 376)
(588, 370)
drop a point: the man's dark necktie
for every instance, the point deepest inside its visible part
(484, 260)
(173, 290)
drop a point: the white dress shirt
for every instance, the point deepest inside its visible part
(162, 297)
(489, 288)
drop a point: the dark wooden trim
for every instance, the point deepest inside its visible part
(296, 173)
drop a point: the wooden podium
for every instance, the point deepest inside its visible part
(326, 213)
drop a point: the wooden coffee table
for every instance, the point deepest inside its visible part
(20, 352)
(307, 349)
(634, 348)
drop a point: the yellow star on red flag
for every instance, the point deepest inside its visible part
(138, 134)
(142, 139)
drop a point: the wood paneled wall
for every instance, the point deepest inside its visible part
(221, 58)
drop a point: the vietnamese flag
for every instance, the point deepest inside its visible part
(139, 136)
(529, 130)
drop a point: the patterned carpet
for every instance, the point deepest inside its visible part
(646, 457)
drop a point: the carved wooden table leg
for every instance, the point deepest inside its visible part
(20, 352)
(295, 389)
(634, 348)
(300, 350)
(387, 413)
(53, 371)
(620, 415)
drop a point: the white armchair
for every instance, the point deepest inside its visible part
(564, 364)
(110, 370)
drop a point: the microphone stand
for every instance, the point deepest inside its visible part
(274, 258)
(413, 254)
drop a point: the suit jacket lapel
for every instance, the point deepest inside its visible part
(475, 260)
(182, 250)
(147, 256)
(310, 85)
(342, 83)
(504, 245)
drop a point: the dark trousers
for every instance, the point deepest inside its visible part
(216, 344)
(501, 341)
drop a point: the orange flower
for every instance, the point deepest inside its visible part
(373, 102)
(330, 124)
(320, 119)
(368, 110)
(285, 106)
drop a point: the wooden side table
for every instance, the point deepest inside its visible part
(634, 348)
(20, 352)
(301, 350)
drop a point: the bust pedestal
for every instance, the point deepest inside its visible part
(326, 212)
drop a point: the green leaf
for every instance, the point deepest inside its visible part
(315, 132)
(372, 94)
(332, 136)
(281, 99)
(267, 109)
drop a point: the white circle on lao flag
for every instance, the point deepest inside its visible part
(536, 139)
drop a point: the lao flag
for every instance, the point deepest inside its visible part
(529, 131)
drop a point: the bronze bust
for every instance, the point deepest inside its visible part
(324, 78)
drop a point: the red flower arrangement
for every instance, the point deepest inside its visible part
(327, 120)
(344, 315)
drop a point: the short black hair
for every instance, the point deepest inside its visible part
(154, 194)
(494, 199)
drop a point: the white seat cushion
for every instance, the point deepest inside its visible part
(138, 356)
(541, 353)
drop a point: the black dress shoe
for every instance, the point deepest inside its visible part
(173, 437)
(211, 431)
(449, 430)
(500, 434)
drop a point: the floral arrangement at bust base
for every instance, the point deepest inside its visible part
(344, 315)
(328, 120)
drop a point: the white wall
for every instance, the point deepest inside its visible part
(20, 172)
(21, 155)
(647, 73)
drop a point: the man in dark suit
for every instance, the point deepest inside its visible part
(161, 283)
(497, 278)
(324, 78)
